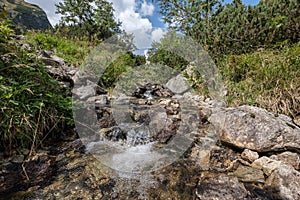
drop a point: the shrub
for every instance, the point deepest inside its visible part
(32, 104)
(266, 78)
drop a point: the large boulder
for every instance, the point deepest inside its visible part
(253, 128)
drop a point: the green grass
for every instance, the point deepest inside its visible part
(73, 51)
(33, 106)
(265, 78)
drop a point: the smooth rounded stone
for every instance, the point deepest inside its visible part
(249, 174)
(249, 155)
(268, 165)
(284, 183)
(178, 84)
(248, 127)
(288, 158)
(220, 187)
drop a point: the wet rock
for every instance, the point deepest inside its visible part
(249, 174)
(220, 187)
(161, 91)
(105, 117)
(165, 134)
(16, 176)
(113, 134)
(249, 155)
(79, 176)
(178, 84)
(256, 129)
(288, 158)
(284, 183)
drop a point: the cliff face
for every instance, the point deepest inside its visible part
(27, 15)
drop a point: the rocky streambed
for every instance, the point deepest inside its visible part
(155, 144)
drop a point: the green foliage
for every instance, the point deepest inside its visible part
(235, 28)
(167, 52)
(91, 19)
(5, 31)
(266, 78)
(165, 57)
(121, 65)
(73, 51)
(32, 104)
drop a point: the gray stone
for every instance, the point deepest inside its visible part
(222, 187)
(247, 127)
(249, 174)
(53, 61)
(99, 99)
(85, 91)
(288, 158)
(284, 183)
(249, 155)
(268, 165)
(178, 84)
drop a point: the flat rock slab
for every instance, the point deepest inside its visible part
(253, 128)
(222, 187)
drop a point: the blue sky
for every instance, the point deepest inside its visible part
(140, 17)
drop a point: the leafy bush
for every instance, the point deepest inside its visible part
(5, 31)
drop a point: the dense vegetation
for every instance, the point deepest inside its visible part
(256, 49)
(234, 28)
(90, 19)
(33, 106)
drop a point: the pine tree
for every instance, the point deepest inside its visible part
(88, 18)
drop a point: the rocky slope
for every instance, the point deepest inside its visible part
(27, 15)
(235, 153)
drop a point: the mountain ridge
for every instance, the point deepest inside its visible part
(26, 15)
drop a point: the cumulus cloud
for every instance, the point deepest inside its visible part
(157, 34)
(147, 9)
(133, 14)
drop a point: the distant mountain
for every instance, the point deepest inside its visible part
(27, 15)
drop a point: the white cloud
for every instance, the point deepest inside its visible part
(132, 14)
(147, 9)
(157, 34)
